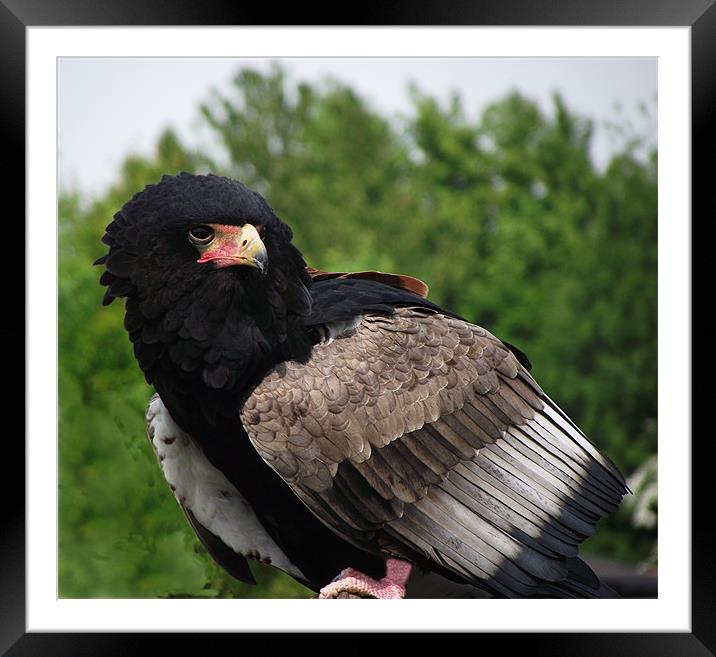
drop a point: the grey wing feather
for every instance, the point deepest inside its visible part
(425, 433)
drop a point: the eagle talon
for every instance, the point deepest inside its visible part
(346, 572)
(351, 581)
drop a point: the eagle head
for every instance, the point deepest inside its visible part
(209, 273)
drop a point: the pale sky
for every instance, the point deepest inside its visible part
(110, 107)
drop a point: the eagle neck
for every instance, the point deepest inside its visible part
(218, 340)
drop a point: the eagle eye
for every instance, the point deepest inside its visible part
(201, 235)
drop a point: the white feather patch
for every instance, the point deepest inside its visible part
(208, 494)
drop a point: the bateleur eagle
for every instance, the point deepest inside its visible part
(340, 426)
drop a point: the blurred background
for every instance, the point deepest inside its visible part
(523, 191)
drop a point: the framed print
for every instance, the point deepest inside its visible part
(60, 55)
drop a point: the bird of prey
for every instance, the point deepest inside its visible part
(340, 426)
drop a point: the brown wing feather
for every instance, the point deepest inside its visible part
(401, 281)
(424, 433)
(392, 372)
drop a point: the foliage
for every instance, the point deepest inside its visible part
(506, 218)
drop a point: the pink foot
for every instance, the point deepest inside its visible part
(352, 581)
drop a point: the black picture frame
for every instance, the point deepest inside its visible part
(700, 15)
